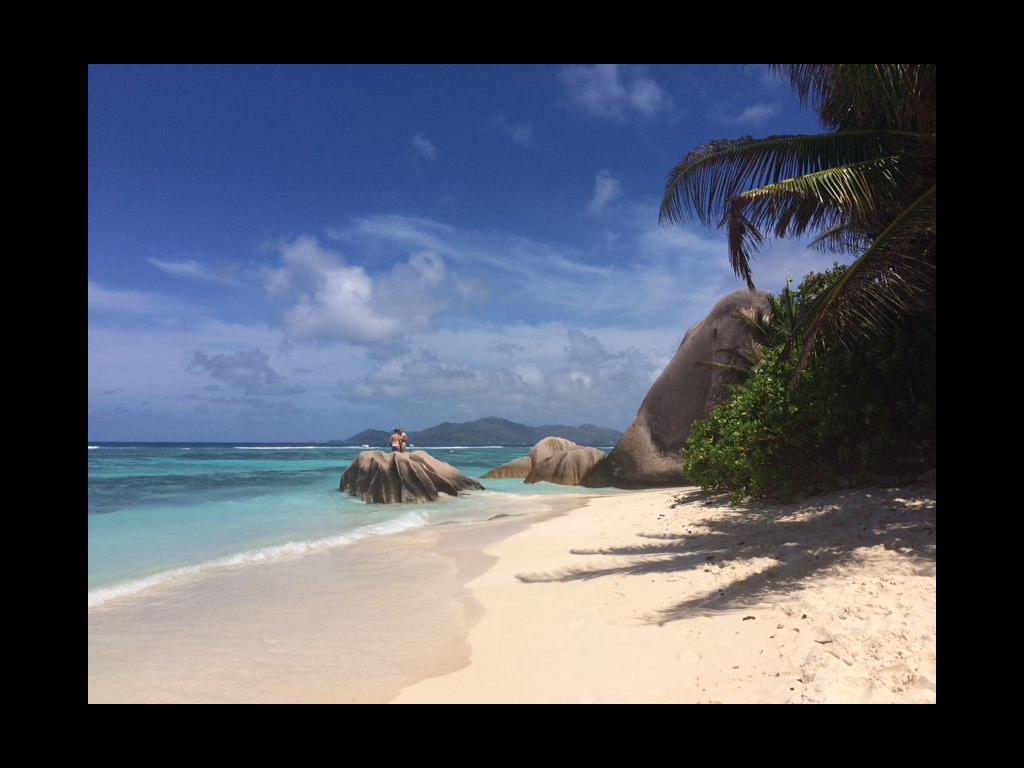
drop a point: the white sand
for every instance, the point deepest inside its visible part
(665, 596)
(652, 596)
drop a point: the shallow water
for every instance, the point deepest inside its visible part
(161, 512)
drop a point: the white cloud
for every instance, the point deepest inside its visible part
(608, 91)
(520, 133)
(107, 301)
(424, 146)
(224, 273)
(606, 189)
(248, 370)
(557, 333)
(327, 300)
(584, 380)
(755, 114)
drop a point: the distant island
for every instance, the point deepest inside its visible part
(489, 431)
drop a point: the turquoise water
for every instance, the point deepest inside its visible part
(163, 511)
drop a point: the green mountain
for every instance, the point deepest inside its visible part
(489, 431)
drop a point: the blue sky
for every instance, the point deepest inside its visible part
(299, 253)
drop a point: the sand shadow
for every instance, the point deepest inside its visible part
(803, 539)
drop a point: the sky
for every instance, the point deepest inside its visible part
(298, 253)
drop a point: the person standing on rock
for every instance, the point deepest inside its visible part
(397, 446)
(405, 439)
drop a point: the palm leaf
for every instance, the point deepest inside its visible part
(894, 274)
(851, 96)
(856, 196)
(707, 182)
(702, 184)
(856, 188)
(844, 238)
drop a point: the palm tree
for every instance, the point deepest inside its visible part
(868, 187)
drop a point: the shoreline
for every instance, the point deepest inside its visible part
(665, 595)
(351, 624)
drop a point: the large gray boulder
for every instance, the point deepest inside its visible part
(552, 460)
(568, 467)
(548, 447)
(648, 455)
(387, 478)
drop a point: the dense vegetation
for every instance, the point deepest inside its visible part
(864, 412)
(841, 380)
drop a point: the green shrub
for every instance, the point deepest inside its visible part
(860, 413)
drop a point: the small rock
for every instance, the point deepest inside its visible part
(778, 626)
(823, 636)
(748, 618)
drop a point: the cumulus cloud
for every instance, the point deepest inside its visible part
(327, 300)
(424, 146)
(608, 91)
(606, 189)
(558, 334)
(248, 371)
(582, 379)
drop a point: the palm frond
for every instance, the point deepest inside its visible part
(757, 318)
(791, 182)
(857, 195)
(701, 185)
(843, 238)
(852, 96)
(856, 188)
(896, 273)
(744, 241)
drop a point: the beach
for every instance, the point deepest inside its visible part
(364, 427)
(668, 595)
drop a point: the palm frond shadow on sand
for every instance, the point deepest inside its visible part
(804, 539)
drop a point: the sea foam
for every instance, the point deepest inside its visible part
(279, 447)
(290, 549)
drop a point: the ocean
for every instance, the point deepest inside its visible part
(160, 512)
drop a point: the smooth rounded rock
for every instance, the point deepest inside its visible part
(567, 467)
(649, 453)
(389, 478)
(517, 469)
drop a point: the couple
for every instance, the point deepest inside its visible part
(399, 440)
